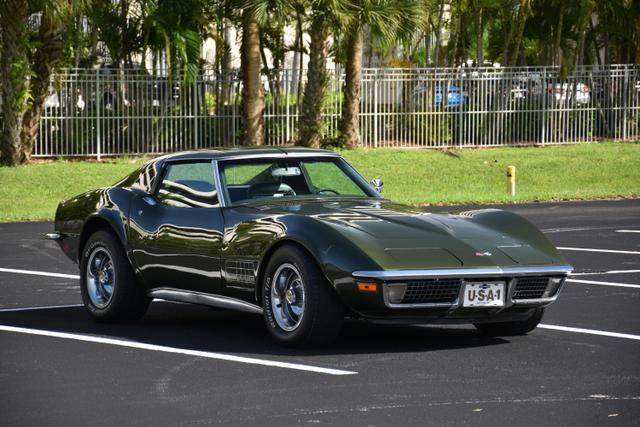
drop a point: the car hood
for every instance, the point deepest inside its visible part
(397, 236)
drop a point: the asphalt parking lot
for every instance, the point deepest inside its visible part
(192, 365)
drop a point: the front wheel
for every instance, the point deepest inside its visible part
(300, 307)
(109, 288)
(512, 328)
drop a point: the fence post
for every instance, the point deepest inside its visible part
(98, 118)
(460, 102)
(287, 89)
(625, 102)
(543, 129)
(375, 109)
(238, 91)
(196, 110)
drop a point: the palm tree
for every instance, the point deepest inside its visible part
(120, 26)
(252, 91)
(173, 27)
(254, 14)
(48, 56)
(385, 19)
(14, 67)
(325, 15)
(25, 81)
(313, 98)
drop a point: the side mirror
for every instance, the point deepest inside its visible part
(377, 184)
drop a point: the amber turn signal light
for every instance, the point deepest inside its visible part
(367, 287)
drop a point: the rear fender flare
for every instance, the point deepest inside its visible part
(112, 214)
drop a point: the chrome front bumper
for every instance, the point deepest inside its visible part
(509, 274)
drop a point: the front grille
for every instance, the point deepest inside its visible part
(432, 291)
(530, 287)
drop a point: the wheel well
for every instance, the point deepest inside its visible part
(265, 260)
(93, 225)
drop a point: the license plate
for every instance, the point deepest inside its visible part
(483, 294)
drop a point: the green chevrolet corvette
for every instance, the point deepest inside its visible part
(298, 236)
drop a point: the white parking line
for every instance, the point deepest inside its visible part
(165, 349)
(52, 307)
(39, 273)
(589, 331)
(571, 229)
(627, 231)
(598, 273)
(41, 307)
(593, 282)
(612, 251)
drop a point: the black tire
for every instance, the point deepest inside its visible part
(323, 312)
(519, 327)
(128, 301)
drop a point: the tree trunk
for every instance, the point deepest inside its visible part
(301, 61)
(522, 20)
(317, 79)
(557, 53)
(353, 76)
(45, 59)
(295, 61)
(605, 34)
(508, 35)
(252, 92)
(580, 48)
(438, 30)
(479, 39)
(594, 41)
(14, 82)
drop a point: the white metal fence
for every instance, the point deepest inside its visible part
(112, 112)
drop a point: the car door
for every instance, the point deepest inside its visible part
(176, 233)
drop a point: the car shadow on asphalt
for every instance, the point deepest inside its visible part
(200, 328)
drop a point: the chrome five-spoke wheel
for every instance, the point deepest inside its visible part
(109, 288)
(300, 307)
(287, 297)
(100, 277)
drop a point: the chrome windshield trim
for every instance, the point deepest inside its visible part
(282, 155)
(218, 180)
(464, 272)
(201, 298)
(225, 200)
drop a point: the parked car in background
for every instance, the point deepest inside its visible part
(519, 90)
(526, 87)
(452, 94)
(569, 93)
(139, 89)
(448, 96)
(64, 98)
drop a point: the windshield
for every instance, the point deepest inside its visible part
(244, 180)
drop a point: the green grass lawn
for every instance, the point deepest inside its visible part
(572, 172)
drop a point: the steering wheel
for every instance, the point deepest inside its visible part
(286, 190)
(323, 190)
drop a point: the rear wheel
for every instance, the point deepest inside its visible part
(512, 328)
(110, 291)
(300, 307)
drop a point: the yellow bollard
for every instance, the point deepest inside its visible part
(511, 180)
